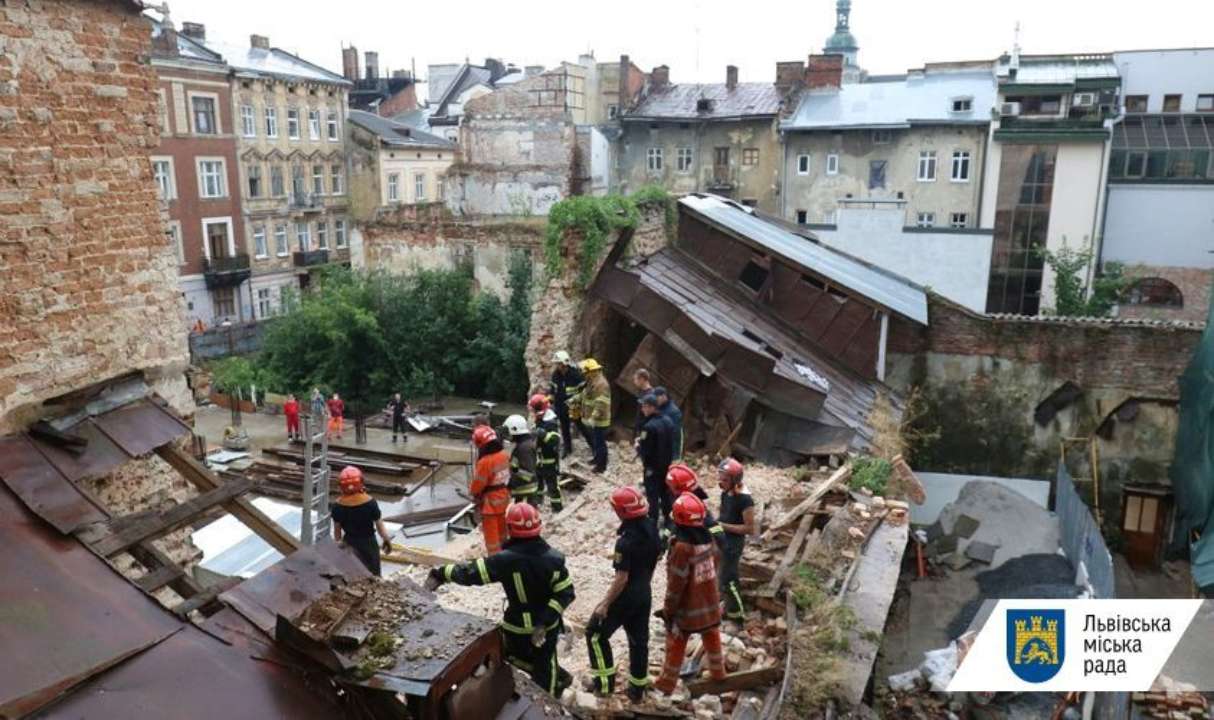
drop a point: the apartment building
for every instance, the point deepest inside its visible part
(394, 164)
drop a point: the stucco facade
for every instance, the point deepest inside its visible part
(393, 164)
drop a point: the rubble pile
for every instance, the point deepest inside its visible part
(1170, 700)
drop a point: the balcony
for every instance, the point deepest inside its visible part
(221, 272)
(307, 202)
(311, 258)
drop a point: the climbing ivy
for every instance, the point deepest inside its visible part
(657, 195)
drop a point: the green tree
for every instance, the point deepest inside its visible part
(1071, 293)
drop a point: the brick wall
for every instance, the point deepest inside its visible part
(88, 277)
(1194, 286)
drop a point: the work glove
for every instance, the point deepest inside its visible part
(538, 635)
(435, 579)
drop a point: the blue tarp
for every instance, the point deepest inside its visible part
(1192, 469)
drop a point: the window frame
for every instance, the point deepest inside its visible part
(392, 188)
(653, 159)
(191, 96)
(313, 124)
(270, 116)
(225, 220)
(265, 304)
(966, 100)
(339, 233)
(248, 121)
(750, 157)
(962, 159)
(925, 219)
(318, 180)
(1209, 98)
(170, 193)
(1178, 97)
(322, 234)
(249, 175)
(684, 160)
(338, 180)
(832, 163)
(927, 160)
(804, 164)
(333, 126)
(222, 177)
(282, 241)
(882, 136)
(292, 119)
(419, 187)
(259, 230)
(872, 166)
(303, 240)
(1146, 104)
(802, 217)
(959, 224)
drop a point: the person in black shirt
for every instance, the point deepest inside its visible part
(654, 448)
(644, 386)
(356, 518)
(399, 408)
(667, 407)
(567, 381)
(628, 600)
(737, 519)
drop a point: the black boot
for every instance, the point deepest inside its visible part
(635, 693)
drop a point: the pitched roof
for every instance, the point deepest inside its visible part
(918, 98)
(682, 102)
(275, 63)
(397, 134)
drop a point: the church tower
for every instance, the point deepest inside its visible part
(843, 42)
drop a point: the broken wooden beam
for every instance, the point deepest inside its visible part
(745, 680)
(790, 554)
(422, 517)
(790, 517)
(204, 598)
(158, 578)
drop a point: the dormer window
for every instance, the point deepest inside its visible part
(704, 105)
(963, 104)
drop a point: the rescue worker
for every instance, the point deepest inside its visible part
(548, 451)
(337, 415)
(538, 590)
(653, 447)
(356, 519)
(668, 407)
(523, 484)
(596, 410)
(644, 386)
(398, 408)
(682, 479)
(628, 600)
(567, 381)
(290, 409)
(693, 604)
(737, 519)
(490, 487)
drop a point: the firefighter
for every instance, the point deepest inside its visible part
(628, 600)
(548, 450)
(538, 590)
(356, 519)
(693, 604)
(737, 520)
(490, 486)
(653, 446)
(596, 410)
(567, 382)
(523, 484)
(668, 408)
(682, 479)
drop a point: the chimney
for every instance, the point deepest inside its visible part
(497, 69)
(194, 31)
(731, 76)
(372, 59)
(660, 77)
(789, 76)
(533, 70)
(349, 63)
(164, 44)
(402, 75)
(824, 71)
(261, 42)
(623, 97)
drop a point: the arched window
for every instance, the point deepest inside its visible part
(1154, 291)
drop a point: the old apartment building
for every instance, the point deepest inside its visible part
(382, 94)
(197, 175)
(290, 118)
(394, 164)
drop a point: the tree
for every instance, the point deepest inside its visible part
(1071, 293)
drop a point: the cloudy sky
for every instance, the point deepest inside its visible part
(698, 38)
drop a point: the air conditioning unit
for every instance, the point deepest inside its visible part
(1083, 99)
(1009, 109)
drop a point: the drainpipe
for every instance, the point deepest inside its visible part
(881, 346)
(783, 174)
(1101, 213)
(986, 143)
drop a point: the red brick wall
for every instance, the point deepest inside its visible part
(1194, 286)
(403, 101)
(89, 281)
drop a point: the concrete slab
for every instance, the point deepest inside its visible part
(965, 526)
(943, 488)
(1014, 523)
(980, 551)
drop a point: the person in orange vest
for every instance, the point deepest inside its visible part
(490, 486)
(693, 601)
(291, 410)
(356, 519)
(337, 411)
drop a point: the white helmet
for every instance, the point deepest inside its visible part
(549, 415)
(517, 425)
(561, 356)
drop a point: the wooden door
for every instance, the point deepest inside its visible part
(1142, 526)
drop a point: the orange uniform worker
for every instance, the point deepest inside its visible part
(490, 486)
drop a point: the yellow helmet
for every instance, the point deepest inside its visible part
(590, 365)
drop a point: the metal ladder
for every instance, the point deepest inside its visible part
(314, 521)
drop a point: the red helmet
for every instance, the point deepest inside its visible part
(538, 403)
(523, 520)
(689, 511)
(628, 503)
(731, 469)
(350, 480)
(483, 435)
(681, 479)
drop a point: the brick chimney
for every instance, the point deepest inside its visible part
(731, 76)
(660, 77)
(261, 42)
(372, 59)
(790, 75)
(194, 31)
(349, 63)
(824, 71)
(164, 44)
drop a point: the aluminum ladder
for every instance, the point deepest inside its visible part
(314, 521)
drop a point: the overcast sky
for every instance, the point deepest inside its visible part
(698, 38)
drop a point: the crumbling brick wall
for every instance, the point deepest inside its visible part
(89, 279)
(1193, 284)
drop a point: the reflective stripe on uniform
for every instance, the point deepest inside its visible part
(447, 570)
(601, 671)
(556, 605)
(483, 570)
(563, 584)
(518, 587)
(639, 682)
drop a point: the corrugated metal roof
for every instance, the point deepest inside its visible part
(274, 62)
(880, 286)
(682, 102)
(398, 134)
(899, 102)
(1052, 70)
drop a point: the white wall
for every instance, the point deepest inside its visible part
(1168, 225)
(600, 163)
(956, 265)
(1167, 72)
(943, 488)
(1079, 179)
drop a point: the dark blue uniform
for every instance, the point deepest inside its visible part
(636, 552)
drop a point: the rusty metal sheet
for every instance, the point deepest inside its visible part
(100, 457)
(141, 427)
(192, 675)
(64, 614)
(42, 488)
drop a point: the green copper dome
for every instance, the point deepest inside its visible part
(842, 40)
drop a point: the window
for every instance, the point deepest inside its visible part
(211, 182)
(313, 124)
(260, 248)
(927, 166)
(1171, 103)
(218, 239)
(297, 182)
(332, 125)
(162, 112)
(393, 187)
(882, 137)
(1205, 103)
(832, 164)
(162, 172)
(322, 234)
(754, 276)
(683, 159)
(802, 217)
(339, 232)
(876, 174)
(318, 179)
(1154, 291)
(271, 122)
(613, 112)
(265, 306)
(280, 240)
(248, 124)
(963, 104)
(303, 236)
(926, 220)
(1136, 164)
(802, 164)
(277, 188)
(958, 220)
(202, 110)
(653, 159)
(750, 156)
(255, 184)
(419, 187)
(173, 234)
(1135, 103)
(339, 180)
(224, 300)
(293, 123)
(440, 184)
(961, 166)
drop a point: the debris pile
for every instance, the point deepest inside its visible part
(1170, 700)
(990, 524)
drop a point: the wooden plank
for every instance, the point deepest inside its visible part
(124, 535)
(153, 558)
(569, 511)
(732, 682)
(204, 598)
(158, 578)
(203, 479)
(413, 556)
(815, 496)
(790, 554)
